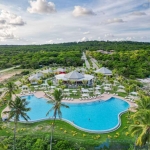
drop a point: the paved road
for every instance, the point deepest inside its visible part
(86, 61)
(94, 63)
(8, 69)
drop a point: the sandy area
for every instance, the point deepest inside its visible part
(5, 76)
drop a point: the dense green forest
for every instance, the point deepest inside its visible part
(130, 58)
(131, 64)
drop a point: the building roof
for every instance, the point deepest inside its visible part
(36, 76)
(104, 71)
(47, 71)
(60, 70)
(74, 75)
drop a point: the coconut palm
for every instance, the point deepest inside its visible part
(141, 127)
(10, 89)
(17, 108)
(56, 108)
(143, 103)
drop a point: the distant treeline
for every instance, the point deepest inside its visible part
(65, 54)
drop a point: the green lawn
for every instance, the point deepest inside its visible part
(71, 133)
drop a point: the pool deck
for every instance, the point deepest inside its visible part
(104, 97)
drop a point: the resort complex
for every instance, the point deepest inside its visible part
(83, 107)
(74, 75)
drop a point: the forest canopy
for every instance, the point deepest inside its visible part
(131, 59)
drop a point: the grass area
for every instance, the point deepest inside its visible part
(70, 132)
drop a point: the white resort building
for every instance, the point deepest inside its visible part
(104, 71)
(75, 76)
(35, 77)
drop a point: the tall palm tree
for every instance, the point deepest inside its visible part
(142, 129)
(18, 108)
(10, 89)
(56, 108)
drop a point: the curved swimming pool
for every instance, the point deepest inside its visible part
(98, 116)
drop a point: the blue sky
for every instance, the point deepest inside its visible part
(57, 21)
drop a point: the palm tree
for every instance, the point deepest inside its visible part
(84, 82)
(56, 108)
(10, 89)
(141, 127)
(18, 108)
(143, 103)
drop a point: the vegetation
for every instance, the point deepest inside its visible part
(56, 108)
(66, 54)
(123, 62)
(18, 108)
(141, 124)
(130, 64)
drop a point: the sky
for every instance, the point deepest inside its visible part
(57, 21)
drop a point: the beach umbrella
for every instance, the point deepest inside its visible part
(97, 92)
(74, 91)
(66, 90)
(121, 90)
(85, 95)
(121, 87)
(134, 93)
(107, 88)
(85, 90)
(97, 88)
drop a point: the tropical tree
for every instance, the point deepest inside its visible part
(143, 103)
(141, 127)
(57, 104)
(84, 82)
(10, 89)
(17, 108)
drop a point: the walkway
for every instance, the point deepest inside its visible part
(86, 61)
(8, 69)
(94, 63)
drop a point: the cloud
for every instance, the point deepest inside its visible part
(114, 20)
(50, 42)
(109, 35)
(8, 23)
(2, 21)
(4, 34)
(138, 13)
(11, 19)
(84, 39)
(86, 32)
(81, 11)
(41, 7)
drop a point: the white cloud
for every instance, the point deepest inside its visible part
(138, 13)
(6, 35)
(8, 23)
(41, 7)
(81, 11)
(114, 20)
(86, 32)
(50, 42)
(9, 18)
(109, 35)
(84, 39)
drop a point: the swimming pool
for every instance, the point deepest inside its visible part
(98, 116)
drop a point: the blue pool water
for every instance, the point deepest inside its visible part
(94, 116)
